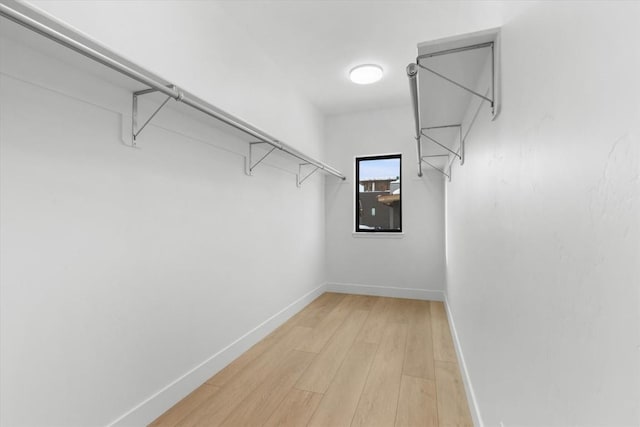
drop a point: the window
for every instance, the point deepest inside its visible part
(378, 203)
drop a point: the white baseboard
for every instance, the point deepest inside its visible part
(466, 379)
(386, 291)
(158, 403)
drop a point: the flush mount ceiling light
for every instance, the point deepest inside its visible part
(365, 74)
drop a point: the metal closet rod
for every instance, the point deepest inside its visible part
(412, 73)
(163, 87)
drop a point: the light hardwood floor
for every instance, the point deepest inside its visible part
(345, 360)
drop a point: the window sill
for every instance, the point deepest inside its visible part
(378, 235)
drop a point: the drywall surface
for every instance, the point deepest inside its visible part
(543, 264)
(414, 261)
(123, 269)
(197, 46)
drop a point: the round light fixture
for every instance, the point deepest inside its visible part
(365, 74)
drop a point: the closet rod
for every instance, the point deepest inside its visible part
(412, 73)
(168, 89)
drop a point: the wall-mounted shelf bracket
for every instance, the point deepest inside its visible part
(460, 153)
(491, 100)
(135, 130)
(448, 175)
(248, 164)
(299, 178)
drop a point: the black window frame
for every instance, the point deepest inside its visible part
(357, 192)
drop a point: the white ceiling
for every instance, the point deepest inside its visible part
(316, 43)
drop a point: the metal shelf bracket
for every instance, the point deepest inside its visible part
(135, 131)
(448, 175)
(248, 164)
(492, 100)
(460, 153)
(299, 178)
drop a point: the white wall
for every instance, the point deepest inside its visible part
(543, 230)
(196, 46)
(411, 266)
(125, 269)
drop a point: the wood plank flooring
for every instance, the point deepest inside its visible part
(345, 360)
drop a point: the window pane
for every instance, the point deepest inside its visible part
(378, 194)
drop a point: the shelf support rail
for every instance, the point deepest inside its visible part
(141, 75)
